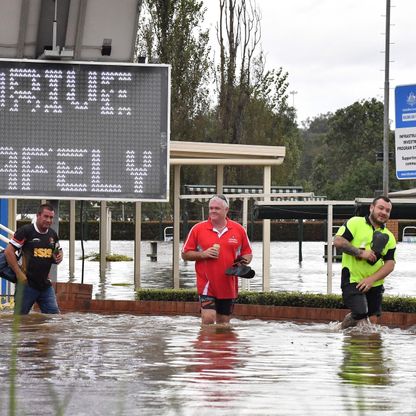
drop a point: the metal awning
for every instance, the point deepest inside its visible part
(408, 193)
(199, 153)
(402, 209)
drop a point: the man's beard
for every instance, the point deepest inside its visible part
(376, 221)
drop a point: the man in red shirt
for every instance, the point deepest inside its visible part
(214, 245)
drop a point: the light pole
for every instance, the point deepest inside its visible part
(293, 93)
(386, 129)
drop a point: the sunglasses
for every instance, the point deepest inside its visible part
(222, 197)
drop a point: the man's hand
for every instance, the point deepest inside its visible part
(58, 256)
(210, 253)
(360, 253)
(368, 255)
(365, 285)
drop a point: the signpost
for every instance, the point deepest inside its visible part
(405, 133)
(84, 130)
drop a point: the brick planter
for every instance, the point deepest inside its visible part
(77, 298)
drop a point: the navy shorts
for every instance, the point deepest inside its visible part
(221, 306)
(362, 305)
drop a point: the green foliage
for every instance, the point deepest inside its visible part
(345, 166)
(339, 157)
(109, 257)
(298, 299)
(182, 295)
(170, 33)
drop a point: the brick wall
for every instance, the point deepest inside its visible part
(73, 297)
(393, 226)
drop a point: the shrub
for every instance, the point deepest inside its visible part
(299, 299)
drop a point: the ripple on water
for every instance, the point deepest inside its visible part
(120, 364)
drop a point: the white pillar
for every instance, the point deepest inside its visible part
(245, 283)
(220, 179)
(72, 237)
(329, 250)
(103, 237)
(266, 230)
(137, 244)
(176, 225)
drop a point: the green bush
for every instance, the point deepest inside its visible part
(299, 299)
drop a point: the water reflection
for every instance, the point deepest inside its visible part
(363, 361)
(129, 365)
(215, 353)
(364, 364)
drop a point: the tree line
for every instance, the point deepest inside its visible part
(227, 94)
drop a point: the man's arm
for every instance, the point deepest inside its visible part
(246, 258)
(192, 255)
(9, 252)
(345, 246)
(380, 274)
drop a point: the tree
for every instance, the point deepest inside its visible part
(252, 101)
(347, 167)
(170, 33)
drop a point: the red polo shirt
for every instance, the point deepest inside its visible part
(211, 279)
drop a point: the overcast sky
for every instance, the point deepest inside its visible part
(333, 50)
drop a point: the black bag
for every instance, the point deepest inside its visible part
(5, 271)
(240, 269)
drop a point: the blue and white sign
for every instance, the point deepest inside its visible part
(405, 133)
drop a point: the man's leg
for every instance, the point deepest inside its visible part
(356, 301)
(374, 300)
(24, 298)
(47, 301)
(225, 309)
(348, 321)
(208, 312)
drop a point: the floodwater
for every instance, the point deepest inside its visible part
(287, 274)
(88, 364)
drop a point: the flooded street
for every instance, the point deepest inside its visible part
(88, 364)
(286, 272)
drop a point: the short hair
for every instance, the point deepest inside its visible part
(383, 197)
(222, 197)
(46, 206)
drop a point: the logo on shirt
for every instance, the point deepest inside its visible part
(43, 253)
(233, 240)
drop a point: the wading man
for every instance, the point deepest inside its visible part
(37, 248)
(214, 245)
(368, 256)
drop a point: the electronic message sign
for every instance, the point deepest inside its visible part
(77, 130)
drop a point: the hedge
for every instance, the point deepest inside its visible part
(299, 299)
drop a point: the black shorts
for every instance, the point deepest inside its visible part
(362, 305)
(221, 306)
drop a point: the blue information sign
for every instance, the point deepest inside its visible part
(405, 133)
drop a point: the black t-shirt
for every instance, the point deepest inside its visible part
(37, 254)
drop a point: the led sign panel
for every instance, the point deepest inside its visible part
(75, 130)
